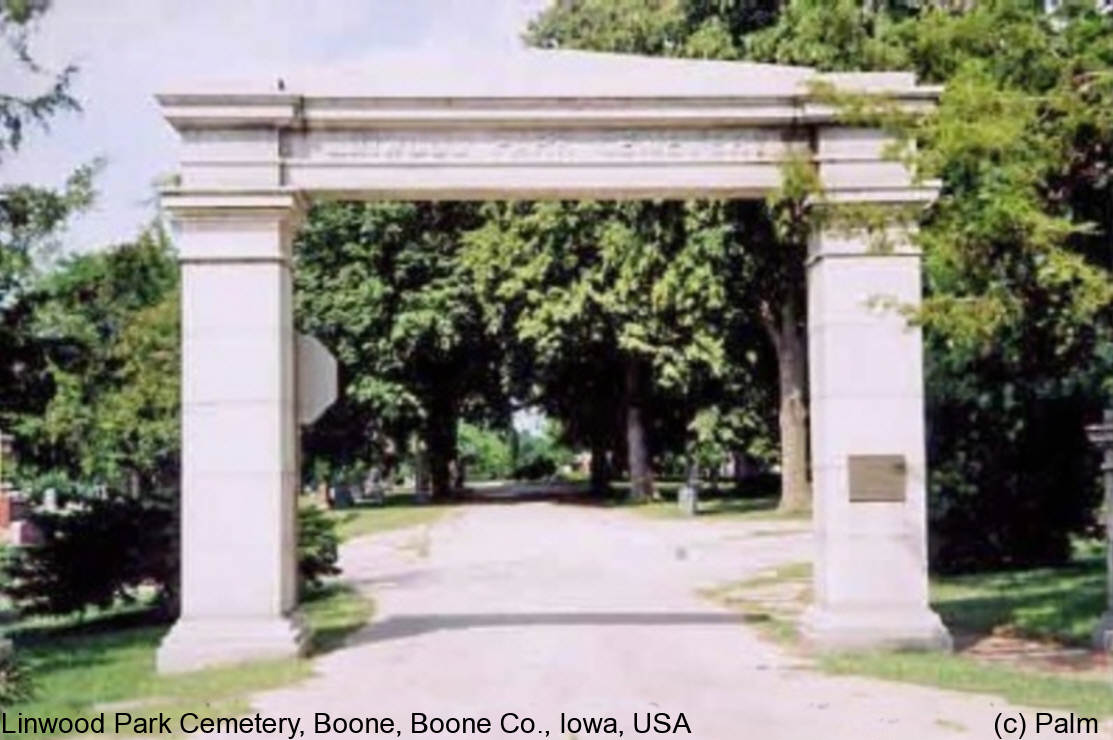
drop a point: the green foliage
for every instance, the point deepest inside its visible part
(381, 286)
(1017, 249)
(591, 295)
(109, 549)
(485, 451)
(107, 327)
(827, 34)
(318, 544)
(1016, 255)
(30, 217)
(541, 455)
(711, 29)
(638, 278)
(733, 258)
(17, 112)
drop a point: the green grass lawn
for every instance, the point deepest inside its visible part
(398, 512)
(754, 500)
(1088, 697)
(1061, 605)
(107, 663)
(719, 510)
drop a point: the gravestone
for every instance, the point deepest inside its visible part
(373, 489)
(687, 499)
(50, 500)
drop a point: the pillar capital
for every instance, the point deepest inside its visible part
(216, 226)
(870, 200)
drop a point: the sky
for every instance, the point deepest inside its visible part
(127, 50)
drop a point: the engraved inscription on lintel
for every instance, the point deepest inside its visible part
(554, 145)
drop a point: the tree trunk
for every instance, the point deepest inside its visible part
(637, 446)
(599, 472)
(421, 472)
(439, 435)
(440, 441)
(460, 474)
(791, 349)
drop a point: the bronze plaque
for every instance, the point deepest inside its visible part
(877, 478)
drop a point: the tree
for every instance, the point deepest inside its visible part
(1017, 252)
(30, 217)
(17, 112)
(772, 291)
(107, 327)
(610, 303)
(381, 286)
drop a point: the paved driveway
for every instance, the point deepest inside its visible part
(536, 610)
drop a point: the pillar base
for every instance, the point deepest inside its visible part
(907, 628)
(197, 643)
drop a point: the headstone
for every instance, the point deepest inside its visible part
(373, 489)
(687, 499)
(50, 500)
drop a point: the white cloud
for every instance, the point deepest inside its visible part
(129, 49)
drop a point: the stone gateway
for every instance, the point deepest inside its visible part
(540, 125)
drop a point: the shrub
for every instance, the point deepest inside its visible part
(486, 452)
(96, 555)
(102, 553)
(541, 455)
(1012, 481)
(317, 548)
(536, 469)
(15, 679)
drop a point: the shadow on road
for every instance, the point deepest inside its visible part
(395, 628)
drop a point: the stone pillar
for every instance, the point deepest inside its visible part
(867, 414)
(239, 434)
(1101, 435)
